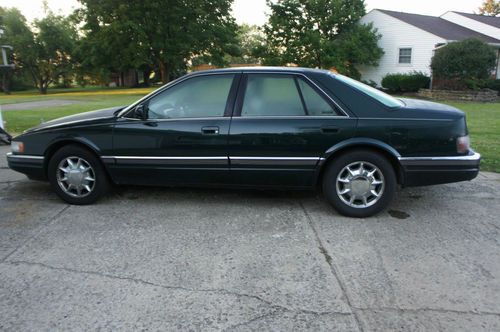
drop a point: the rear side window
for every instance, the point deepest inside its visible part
(272, 95)
(315, 103)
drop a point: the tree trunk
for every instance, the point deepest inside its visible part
(43, 88)
(145, 77)
(165, 72)
(6, 81)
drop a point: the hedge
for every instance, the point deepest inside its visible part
(410, 82)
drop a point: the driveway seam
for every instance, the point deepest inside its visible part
(39, 231)
(333, 268)
(277, 307)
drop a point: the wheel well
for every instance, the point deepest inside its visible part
(58, 145)
(390, 157)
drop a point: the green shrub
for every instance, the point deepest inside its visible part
(483, 84)
(459, 62)
(410, 82)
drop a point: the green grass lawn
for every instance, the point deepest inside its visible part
(17, 121)
(483, 119)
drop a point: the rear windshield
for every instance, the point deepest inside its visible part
(382, 97)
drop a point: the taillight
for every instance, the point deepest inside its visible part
(463, 144)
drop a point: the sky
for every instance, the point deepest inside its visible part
(254, 11)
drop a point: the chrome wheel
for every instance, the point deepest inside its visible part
(360, 184)
(76, 177)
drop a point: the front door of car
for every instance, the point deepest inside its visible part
(183, 139)
(282, 126)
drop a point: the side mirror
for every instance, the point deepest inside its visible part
(141, 112)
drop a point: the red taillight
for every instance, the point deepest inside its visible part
(463, 144)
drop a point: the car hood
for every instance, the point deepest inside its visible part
(91, 116)
(433, 110)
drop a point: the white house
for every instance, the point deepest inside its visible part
(409, 40)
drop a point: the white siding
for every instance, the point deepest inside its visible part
(397, 34)
(485, 29)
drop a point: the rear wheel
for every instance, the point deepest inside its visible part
(77, 176)
(360, 183)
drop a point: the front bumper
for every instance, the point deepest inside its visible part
(423, 171)
(32, 166)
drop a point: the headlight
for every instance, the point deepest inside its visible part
(17, 147)
(463, 144)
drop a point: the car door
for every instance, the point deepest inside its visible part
(183, 141)
(282, 126)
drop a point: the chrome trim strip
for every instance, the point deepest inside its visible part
(165, 161)
(287, 161)
(301, 117)
(218, 160)
(23, 156)
(406, 119)
(275, 158)
(469, 160)
(475, 156)
(165, 158)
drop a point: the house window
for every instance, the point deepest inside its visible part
(405, 55)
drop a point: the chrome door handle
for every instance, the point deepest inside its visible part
(210, 130)
(330, 130)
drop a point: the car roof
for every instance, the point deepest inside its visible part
(263, 69)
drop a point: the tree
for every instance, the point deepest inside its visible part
(163, 33)
(470, 59)
(16, 34)
(490, 7)
(320, 33)
(53, 46)
(249, 39)
(44, 54)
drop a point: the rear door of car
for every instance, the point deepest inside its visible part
(282, 125)
(184, 139)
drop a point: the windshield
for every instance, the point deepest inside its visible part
(382, 97)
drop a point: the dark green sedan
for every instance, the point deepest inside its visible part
(287, 128)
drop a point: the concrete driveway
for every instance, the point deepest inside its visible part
(187, 259)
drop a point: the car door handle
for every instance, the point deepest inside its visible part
(210, 130)
(330, 130)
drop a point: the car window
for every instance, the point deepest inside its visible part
(382, 97)
(198, 97)
(315, 103)
(271, 95)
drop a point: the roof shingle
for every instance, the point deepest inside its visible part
(439, 26)
(490, 20)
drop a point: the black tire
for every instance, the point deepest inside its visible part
(371, 158)
(100, 186)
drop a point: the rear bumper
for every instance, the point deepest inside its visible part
(32, 166)
(423, 171)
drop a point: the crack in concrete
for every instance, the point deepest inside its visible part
(438, 310)
(333, 268)
(39, 231)
(181, 288)
(255, 319)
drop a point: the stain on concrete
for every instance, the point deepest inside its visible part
(399, 214)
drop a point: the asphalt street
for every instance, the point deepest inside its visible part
(209, 260)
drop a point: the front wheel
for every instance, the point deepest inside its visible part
(77, 176)
(360, 183)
